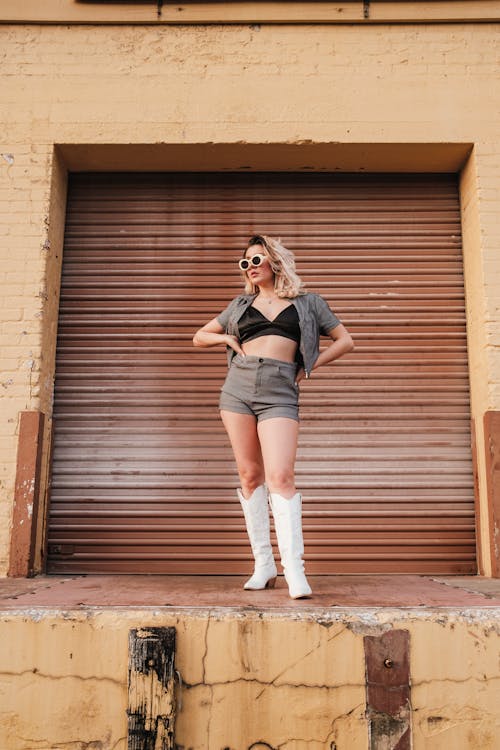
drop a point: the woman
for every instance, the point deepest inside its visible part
(272, 336)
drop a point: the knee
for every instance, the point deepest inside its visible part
(251, 477)
(282, 481)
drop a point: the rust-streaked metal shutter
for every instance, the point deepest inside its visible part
(143, 478)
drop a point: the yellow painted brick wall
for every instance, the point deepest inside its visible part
(258, 84)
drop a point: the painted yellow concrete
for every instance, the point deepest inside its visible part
(475, 283)
(124, 87)
(292, 680)
(462, 663)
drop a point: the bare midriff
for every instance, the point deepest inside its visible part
(274, 347)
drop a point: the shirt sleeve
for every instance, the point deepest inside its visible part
(224, 316)
(326, 318)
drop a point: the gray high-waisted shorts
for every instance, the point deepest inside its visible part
(262, 387)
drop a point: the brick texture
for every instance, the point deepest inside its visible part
(140, 84)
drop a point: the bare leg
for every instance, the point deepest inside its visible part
(242, 432)
(278, 440)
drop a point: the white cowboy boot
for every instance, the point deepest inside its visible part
(256, 512)
(288, 524)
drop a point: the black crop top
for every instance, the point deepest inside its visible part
(253, 324)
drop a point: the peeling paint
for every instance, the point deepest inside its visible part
(229, 659)
(369, 628)
(486, 616)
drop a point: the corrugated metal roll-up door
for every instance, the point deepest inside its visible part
(143, 478)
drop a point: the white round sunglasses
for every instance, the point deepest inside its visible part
(253, 262)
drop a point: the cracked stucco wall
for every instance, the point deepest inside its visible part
(231, 84)
(295, 681)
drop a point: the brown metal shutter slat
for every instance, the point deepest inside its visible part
(143, 478)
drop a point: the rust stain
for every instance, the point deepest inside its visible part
(387, 664)
(26, 494)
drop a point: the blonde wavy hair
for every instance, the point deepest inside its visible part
(287, 283)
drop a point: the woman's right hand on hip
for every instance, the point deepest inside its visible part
(234, 343)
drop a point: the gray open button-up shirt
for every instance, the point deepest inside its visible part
(315, 320)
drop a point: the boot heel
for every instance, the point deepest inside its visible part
(271, 582)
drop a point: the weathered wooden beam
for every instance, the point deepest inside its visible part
(26, 494)
(151, 698)
(388, 708)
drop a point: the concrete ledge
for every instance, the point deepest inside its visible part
(249, 157)
(345, 591)
(291, 676)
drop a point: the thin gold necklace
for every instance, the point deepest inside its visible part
(270, 300)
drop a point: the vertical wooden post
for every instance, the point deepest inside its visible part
(26, 494)
(151, 699)
(388, 708)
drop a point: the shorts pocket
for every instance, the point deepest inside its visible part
(288, 374)
(282, 383)
(240, 363)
